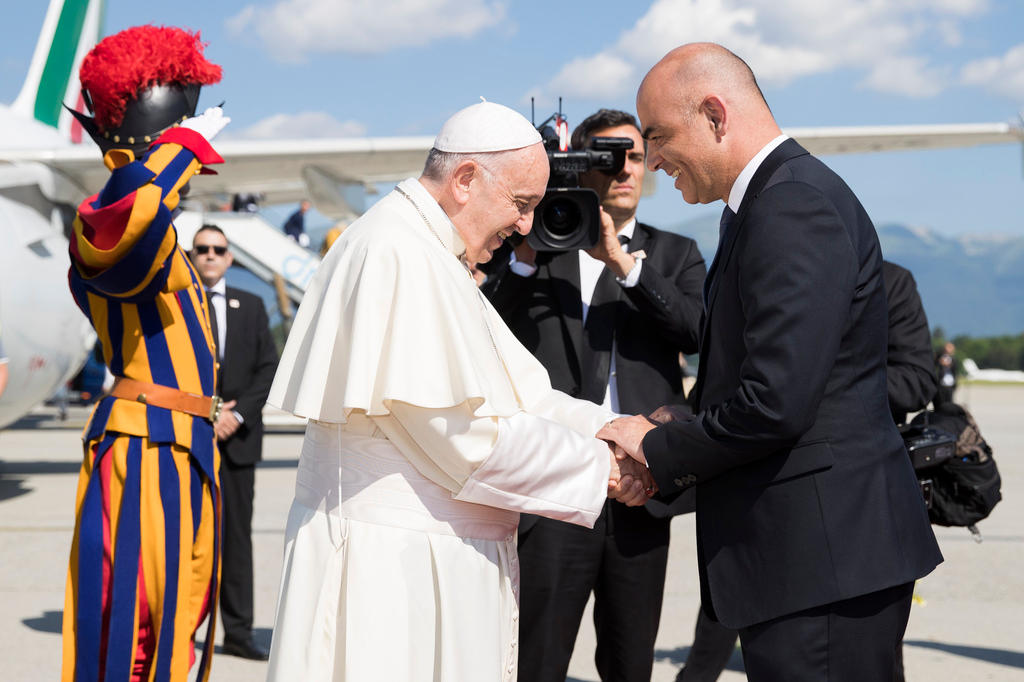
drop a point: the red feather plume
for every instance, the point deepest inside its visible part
(136, 58)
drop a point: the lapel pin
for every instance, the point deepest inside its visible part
(233, 302)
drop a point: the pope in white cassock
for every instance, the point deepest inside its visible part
(430, 429)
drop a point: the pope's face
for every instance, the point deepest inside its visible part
(502, 201)
(619, 194)
(679, 143)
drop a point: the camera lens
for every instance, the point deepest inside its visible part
(567, 218)
(561, 218)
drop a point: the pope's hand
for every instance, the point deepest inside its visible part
(208, 123)
(628, 434)
(629, 482)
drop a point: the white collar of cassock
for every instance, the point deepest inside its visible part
(438, 221)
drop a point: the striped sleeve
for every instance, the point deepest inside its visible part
(123, 236)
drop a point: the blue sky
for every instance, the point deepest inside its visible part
(296, 68)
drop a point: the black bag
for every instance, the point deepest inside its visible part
(964, 488)
(927, 445)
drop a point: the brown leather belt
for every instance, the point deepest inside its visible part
(167, 398)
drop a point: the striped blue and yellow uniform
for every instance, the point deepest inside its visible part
(144, 559)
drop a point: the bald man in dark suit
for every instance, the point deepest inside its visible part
(810, 528)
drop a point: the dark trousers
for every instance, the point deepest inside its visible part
(236, 488)
(713, 644)
(622, 560)
(944, 396)
(853, 640)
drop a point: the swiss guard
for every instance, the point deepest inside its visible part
(144, 564)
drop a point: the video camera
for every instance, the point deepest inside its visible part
(569, 216)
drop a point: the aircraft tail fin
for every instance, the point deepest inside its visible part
(70, 30)
(970, 367)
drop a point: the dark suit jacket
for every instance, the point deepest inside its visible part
(653, 321)
(806, 495)
(246, 372)
(910, 369)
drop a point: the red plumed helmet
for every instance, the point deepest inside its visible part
(120, 66)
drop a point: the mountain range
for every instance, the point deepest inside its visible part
(970, 284)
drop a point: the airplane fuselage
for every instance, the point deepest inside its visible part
(45, 336)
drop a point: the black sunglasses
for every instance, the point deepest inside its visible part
(203, 249)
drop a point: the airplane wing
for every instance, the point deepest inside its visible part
(289, 170)
(280, 170)
(324, 168)
(855, 139)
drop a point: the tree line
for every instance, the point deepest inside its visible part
(997, 352)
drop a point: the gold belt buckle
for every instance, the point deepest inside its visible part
(216, 402)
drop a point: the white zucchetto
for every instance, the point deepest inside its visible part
(485, 127)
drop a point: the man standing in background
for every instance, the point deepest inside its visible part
(910, 379)
(295, 226)
(608, 324)
(246, 361)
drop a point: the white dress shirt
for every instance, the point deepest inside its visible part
(739, 187)
(590, 271)
(219, 307)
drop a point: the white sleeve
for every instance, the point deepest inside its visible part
(633, 276)
(524, 463)
(520, 268)
(582, 416)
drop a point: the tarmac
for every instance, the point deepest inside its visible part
(967, 622)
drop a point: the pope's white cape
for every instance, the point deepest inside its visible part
(382, 322)
(394, 320)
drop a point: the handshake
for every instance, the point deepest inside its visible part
(630, 481)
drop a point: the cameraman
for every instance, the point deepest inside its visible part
(609, 324)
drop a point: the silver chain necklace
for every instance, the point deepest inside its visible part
(424, 217)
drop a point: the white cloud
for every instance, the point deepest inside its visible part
(961, 7)
(603, 75)
(1002, 75)
(949, 33)
(301, 125)
(291, 29)
(782, 40)
(909, 76)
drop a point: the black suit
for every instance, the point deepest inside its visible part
(623, 558)
(910, 370)
(806, 496)
(245, 374)
(911, 385)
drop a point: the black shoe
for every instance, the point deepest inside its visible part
(245, 648)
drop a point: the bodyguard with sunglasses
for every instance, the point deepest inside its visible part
(246, 362)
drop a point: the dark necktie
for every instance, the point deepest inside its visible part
(724, 222)
(599, 334)
(214, 327)
(723, 228)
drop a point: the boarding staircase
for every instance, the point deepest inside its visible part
(258, 246)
